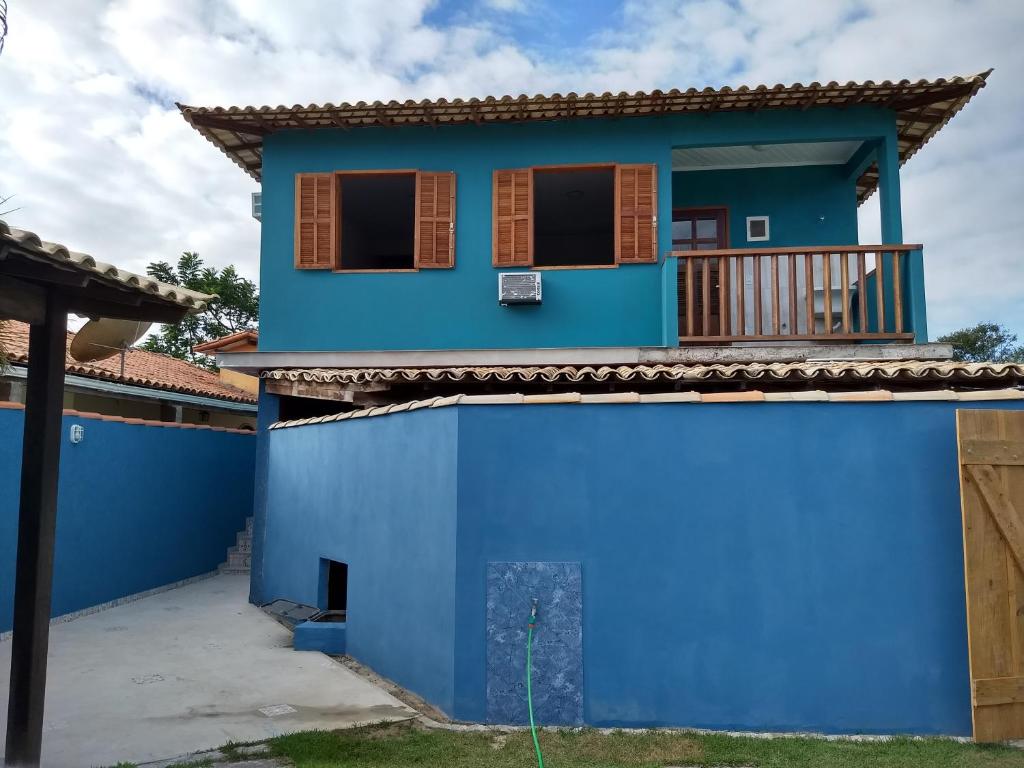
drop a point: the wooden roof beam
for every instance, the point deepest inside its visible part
(209, 121)
(930, 98)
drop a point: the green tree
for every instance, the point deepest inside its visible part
(985, 342)
(235, 309)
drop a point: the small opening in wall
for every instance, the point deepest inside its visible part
(333, 585)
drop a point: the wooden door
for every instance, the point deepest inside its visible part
(701, 229)
(991, 445)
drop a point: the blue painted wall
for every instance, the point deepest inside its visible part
(378, 495)
(807, 205)
(267, 413)
(138, 507)
(726, 584)
(313, 310)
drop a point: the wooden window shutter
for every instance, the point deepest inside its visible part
(435, 220)
(636, 217)
(512, 218)
(316, 216)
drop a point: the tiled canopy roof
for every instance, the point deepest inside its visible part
(907, 371)
(922, 108)
(30, 243)
(637, 398)
(142, 368)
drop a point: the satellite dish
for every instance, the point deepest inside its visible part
(100, 339)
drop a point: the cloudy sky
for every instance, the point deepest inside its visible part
(96, 156)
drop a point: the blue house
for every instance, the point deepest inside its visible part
(734, 494)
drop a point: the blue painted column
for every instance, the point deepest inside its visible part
(268, 413)
(669, 301)
(889, 189)
(912, 264)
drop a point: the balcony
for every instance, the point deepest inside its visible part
(830, 294)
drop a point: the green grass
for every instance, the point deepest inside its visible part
(409, 745)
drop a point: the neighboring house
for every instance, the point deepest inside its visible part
(152, 386)
(623, 354)
(243, 341)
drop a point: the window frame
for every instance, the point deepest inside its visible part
(767, 229)
(339, 177)
(616, 212)
(336, 255)
(569, 168)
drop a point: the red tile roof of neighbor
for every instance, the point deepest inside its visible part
(228, 343)
(142, 368)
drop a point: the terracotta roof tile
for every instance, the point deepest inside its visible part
(922, 108)
(908, 372)
(225, 343)
(142, 368)
(42, 250)
(687, 398)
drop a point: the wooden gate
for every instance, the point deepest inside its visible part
(991, 447)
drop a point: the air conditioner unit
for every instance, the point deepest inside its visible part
(518, 288)
(257, 206)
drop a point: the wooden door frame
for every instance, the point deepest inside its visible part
(722, 216)
(724, 222)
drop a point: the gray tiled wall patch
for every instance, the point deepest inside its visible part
(557, 648)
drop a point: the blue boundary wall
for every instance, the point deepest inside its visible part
(139, 506)
(750, 566)
(380, 496)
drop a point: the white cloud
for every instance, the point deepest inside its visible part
(514, 6)
(99, 159)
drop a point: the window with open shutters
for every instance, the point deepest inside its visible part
(375, 221)
(575, 216)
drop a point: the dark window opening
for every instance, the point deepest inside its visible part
(378, 214)
(334, 586)
(305, 407)
(574, 217)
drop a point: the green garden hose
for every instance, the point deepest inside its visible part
(529, 686)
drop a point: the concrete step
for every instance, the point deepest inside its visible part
(239, 556)
(238, 559)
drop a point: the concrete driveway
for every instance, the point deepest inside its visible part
(185, 670)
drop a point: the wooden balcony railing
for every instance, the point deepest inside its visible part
(832, 293)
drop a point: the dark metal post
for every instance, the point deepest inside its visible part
(37, 519)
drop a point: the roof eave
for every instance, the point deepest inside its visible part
(91, 287)
(238, 132)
